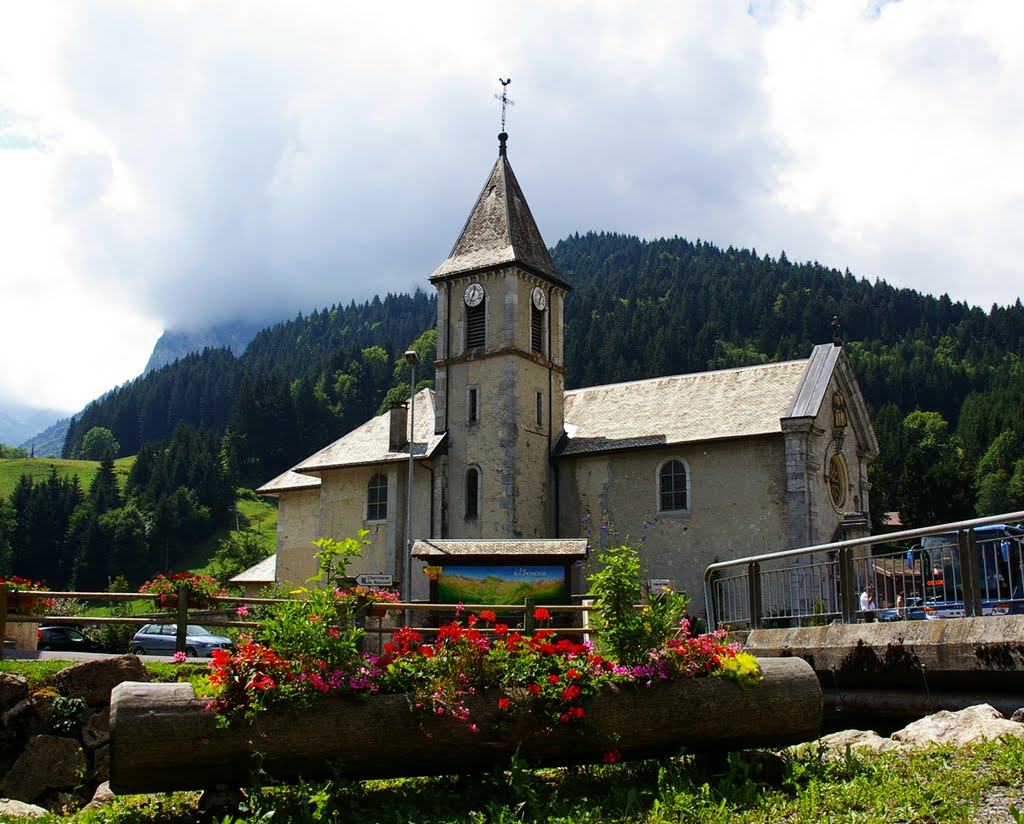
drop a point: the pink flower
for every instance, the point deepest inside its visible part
(179, 657)
(242, 611)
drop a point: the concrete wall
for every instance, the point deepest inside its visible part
(736, 505)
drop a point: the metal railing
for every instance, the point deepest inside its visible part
(924, 577)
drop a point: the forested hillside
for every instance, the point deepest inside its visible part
(945, 380)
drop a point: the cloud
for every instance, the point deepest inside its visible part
(179, 164)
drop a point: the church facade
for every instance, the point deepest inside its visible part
(696, 468)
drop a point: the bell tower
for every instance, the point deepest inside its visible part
(499, 369)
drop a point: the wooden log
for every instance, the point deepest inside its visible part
(163, 738)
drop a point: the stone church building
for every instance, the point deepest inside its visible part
(510, 466)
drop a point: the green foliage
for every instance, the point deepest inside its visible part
(69, 714)
(98, 443)
(236, 553)
(629, 630)
(8, 451)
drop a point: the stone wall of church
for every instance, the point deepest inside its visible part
(338, 510)
(737, 505)
(296, 528)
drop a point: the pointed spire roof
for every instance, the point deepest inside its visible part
(500, 230)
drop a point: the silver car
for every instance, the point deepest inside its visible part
(160, 639)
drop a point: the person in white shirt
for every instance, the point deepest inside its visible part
(867, 603)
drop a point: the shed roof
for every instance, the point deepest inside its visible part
(435, 550)
(262, 573)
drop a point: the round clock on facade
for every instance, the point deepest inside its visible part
(837, 481)
(540, 300)
(474, 294)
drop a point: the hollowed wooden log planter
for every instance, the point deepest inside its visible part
(162, 737)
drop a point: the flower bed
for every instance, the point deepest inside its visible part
(164, 589)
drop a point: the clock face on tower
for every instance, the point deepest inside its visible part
(474, 294)
(540, 300)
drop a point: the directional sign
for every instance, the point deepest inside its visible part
(375, 579)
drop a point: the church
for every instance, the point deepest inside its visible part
(510, 471)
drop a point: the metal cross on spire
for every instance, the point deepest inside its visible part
(506, 101)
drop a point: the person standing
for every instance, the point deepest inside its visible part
(867, 603)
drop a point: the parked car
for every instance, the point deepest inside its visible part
(160, 639)
(66, 639)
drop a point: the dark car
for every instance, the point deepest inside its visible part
(66, 639)
(159, 639)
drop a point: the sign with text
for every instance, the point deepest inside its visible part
(376, 580)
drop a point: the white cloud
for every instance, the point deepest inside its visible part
(181, 163)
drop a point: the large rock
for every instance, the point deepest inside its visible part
(96, 731)
(19, 809)
(94, 680)
(29, 717)
(13, 688)
(968, 726)
(48, 763)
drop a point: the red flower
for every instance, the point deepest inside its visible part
(570, 692)
(552, 679)
(487, 615)
(502, 703)
(612, 756)
(533, 689)
(571, 673)
(541, 614)
(500, 629)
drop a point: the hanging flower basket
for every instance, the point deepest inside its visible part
(20, 601)
(201, 590)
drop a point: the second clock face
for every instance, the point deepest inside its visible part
(540, 300)
(474, 294)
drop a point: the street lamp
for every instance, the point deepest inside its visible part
(412, 359)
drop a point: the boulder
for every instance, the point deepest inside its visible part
(94, 680)
(967, 726)
(96, 731)
(47, 763)
(101, 798)
(29, 717)
(10, 807)
(13, 688)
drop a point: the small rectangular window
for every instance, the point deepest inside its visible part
(540, 409)
(472, 404)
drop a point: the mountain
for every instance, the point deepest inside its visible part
(638, 309)
(175, 344)
(18, 422)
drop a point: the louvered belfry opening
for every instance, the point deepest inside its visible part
(476, 326)
(536, 329)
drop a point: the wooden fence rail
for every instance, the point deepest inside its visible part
(185, 613)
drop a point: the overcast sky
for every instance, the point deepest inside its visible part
(175, 164)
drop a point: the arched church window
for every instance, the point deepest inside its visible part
(377, 498)
(673, 487)
(472, 492)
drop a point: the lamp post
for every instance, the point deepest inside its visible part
(412, 359)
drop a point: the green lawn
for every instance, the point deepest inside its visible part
(11, 470)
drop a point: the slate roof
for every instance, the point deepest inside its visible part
(264, 572)
(702, 406)
(565, 547)
(500, 230)
(289, 481)
(371, 442)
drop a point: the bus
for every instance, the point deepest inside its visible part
(939, 573)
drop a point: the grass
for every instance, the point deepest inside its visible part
(38, 469)
(941, 784)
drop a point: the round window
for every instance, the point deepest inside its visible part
(837, 481)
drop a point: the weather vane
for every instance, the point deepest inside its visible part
(506, 101)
